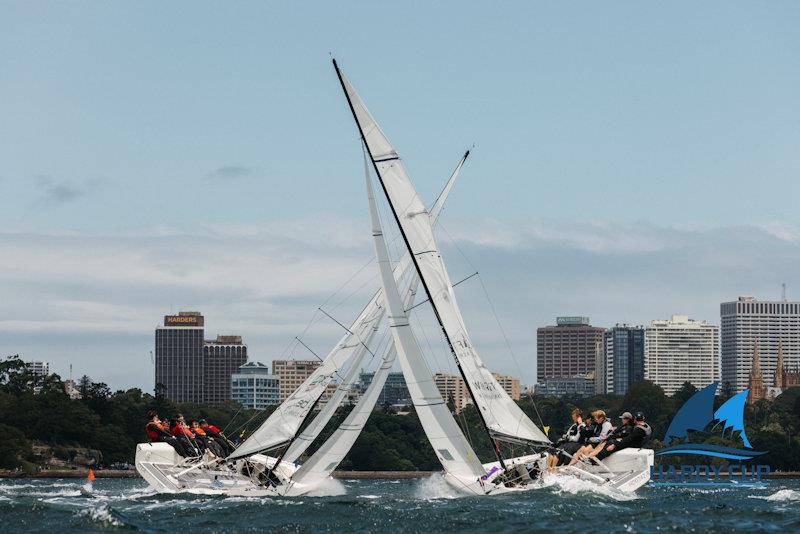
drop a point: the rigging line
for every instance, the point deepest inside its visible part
(454, 285)
(232, 418)
(350, 331)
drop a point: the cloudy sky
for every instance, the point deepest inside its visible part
(630, 162)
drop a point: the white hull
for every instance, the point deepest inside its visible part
(167, 472)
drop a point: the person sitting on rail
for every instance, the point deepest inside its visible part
(159, 432)
(208, 443)
(185, 436)
(616, 435)
(215, 433)
(602, 429)
(569, 443)
(639, 432)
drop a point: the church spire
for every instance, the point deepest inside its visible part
(780, 371)
(756, 386)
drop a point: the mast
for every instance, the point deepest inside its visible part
(416, 264)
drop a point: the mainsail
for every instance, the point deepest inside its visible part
(446, 438)
(282, 425)
(501, 415)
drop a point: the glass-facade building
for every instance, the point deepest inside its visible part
(254, 387)
(222, 358)
(623, 361)
(394, 390)
(179, 357)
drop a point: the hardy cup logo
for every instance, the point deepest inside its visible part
(696, 415)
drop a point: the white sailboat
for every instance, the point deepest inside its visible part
(502, 418)
(251, 470)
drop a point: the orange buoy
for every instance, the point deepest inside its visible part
(91, 475)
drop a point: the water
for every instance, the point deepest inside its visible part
(426, 505)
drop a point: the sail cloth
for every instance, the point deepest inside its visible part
(332, 452)
(284, 423)
(503, 417)
(310, 433)
(446, 438)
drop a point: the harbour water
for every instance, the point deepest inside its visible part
(423, 505)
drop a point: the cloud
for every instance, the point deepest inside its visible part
(53, 192)
(94, 300)
(232, 172)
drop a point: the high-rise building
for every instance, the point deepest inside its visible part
(254, 387)
(394, 390)
(38, 368)
(567, 350)
(453, 389)
(771, 324)
(222, 357)
(179, 357)
(680, 350)
(622, 360)
(509, 384)
(292, 374)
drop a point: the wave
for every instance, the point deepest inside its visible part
(103, 515)
(572, 485)
(783, 495)
(435, 487)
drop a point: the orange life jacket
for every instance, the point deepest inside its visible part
(151, 432)
(198, 430)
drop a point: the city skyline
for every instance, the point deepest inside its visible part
(146, 172)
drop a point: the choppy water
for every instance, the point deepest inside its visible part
(426, 505)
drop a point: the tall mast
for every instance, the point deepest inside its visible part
(417, 267)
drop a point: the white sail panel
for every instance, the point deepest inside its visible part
(502, 415)
(446, 438)
(283, 424)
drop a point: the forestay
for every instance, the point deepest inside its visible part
(503, 418)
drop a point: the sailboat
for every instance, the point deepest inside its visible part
(266, 462)
(501, 417)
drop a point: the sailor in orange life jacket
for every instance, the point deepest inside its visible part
(159, 432)
(217, 435)
(208, 442)
(185, 436)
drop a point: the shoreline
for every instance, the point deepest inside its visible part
(358, 475)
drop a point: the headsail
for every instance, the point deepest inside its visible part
(503, 418)
(446, 438)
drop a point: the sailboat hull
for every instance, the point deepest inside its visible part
(167, 472)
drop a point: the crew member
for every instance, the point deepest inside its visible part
(602, 429)
(616, 436)
(159, 432)
(217, 435)
(640, 432)
(208, 443)
(185, 436)
(570, 442)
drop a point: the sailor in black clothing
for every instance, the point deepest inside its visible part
(633, 438)
(570, 442)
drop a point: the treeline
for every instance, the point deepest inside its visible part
(37, 410)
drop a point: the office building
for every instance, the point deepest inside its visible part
(38, 368)
(179, 357)
(509, 384)
(453, 390)
(582, 386)
(622, 360)
(292, 373)
(253, 387)
(680, 350)
(567, 351)
(394, 392)
(222, 358)
(190, 369)
(770, 323)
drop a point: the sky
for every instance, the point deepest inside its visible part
(629, 161)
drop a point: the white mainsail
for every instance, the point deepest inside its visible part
(283, 424)
(502, 416)
(332, 452)
(448, 442)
